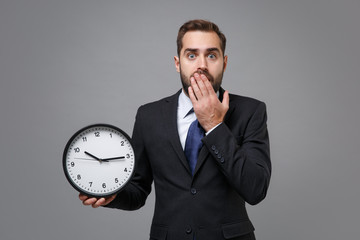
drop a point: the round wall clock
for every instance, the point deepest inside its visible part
(99, 160)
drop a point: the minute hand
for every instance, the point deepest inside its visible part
(114, 158)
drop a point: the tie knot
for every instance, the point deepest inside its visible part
(197, 127)
(189, 112)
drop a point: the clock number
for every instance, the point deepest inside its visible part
(97, 134)
(116, 180)
(104, 185)
(111, 135)
(78, 176)
(90, 183)
(125, 170)
(122, 143)
(127, 155)
(72, 164)
(84, 139)
(77, 150)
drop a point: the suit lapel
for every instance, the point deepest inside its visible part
(170, 115)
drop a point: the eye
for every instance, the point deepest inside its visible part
(191, 56)
(212, 56)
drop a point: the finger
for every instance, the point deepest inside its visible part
(192, 95)
(200, 80)
(195, 87)
(209, 87)
(90, 201)
(99, 203)
(225, 101)
(82, 197)
(109, 199)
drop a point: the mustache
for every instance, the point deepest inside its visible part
(206, 73)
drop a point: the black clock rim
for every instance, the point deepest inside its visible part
(66, 151)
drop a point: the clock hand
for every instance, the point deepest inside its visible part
(90, 159)
(114, 158)
(87, 153)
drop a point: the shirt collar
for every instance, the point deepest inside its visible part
(184, 105)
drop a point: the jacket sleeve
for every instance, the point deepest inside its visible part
(244, 157)
(134, 194)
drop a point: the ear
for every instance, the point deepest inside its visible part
(177, 63)
(225, 62)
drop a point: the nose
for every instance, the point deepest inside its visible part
(202, 62)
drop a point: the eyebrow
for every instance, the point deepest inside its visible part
(196, 50)
(191, 50)
(213, 50)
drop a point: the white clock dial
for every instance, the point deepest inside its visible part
(99, 160)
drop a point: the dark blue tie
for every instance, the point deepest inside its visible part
(193, 143)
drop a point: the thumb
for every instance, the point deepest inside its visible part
(225, 101)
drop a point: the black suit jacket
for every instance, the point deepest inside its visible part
(233, 168)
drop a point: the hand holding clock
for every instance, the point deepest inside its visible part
(96, 202)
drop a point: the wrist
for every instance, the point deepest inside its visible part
(211, 129)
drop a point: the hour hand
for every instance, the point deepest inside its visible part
(93, 156)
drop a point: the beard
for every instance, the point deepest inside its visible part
(215, 81)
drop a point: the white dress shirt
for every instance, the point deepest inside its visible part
(184, 120)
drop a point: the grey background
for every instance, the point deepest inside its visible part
(67, 64)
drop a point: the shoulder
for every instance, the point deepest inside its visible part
(246, 102)
(156, 106)
(246, 108)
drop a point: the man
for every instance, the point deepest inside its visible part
(202, 198)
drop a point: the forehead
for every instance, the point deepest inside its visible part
(200, 40)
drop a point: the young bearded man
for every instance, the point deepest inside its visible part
(207, 151)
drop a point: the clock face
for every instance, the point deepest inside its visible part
(99, 160)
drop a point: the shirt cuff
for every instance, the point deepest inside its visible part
(208, 132)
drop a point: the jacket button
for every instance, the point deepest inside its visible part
(213, 147)
(222, 160)
(188, 230)
(193, 191)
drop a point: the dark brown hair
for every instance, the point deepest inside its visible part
(199, 25)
